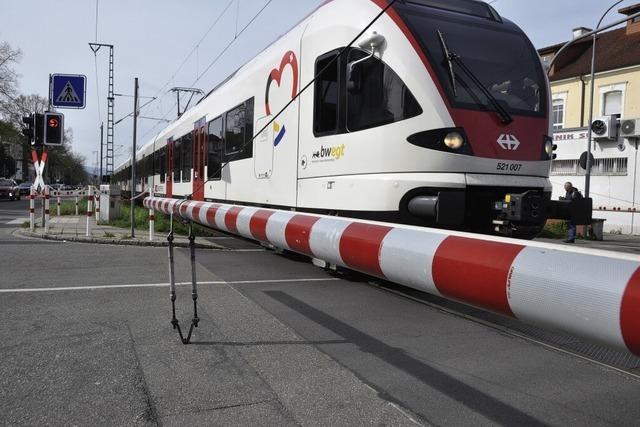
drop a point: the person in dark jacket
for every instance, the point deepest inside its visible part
(572, 193)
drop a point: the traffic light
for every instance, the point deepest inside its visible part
(53, 128)
(35, 128)
(29, 130)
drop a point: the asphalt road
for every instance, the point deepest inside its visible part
(85, 339)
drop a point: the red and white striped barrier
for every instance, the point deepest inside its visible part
(593, 294)
(68, 193)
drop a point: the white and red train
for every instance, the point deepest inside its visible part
(436, 114)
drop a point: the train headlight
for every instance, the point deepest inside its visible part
(453, 140)
(548, 148)
(449, 140)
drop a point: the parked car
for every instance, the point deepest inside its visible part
(24, 187)
(9, 189)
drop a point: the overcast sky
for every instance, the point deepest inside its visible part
(153, 38)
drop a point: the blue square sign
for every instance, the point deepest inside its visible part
(68, 90)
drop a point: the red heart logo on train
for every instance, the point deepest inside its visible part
(275, 75)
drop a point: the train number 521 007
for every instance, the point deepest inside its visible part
(512, 167)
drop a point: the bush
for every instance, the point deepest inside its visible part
(555, 229)
(162, 225)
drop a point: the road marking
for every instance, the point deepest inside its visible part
(162, 285)
(18, 221)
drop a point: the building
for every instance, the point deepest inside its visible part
(615, 183)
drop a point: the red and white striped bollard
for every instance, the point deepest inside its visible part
(32, 209)
(152, 224)
(89, 211)
(47, 215)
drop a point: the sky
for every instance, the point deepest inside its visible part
(175, 43)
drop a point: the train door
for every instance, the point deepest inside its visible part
(199, 155)
(169, 181)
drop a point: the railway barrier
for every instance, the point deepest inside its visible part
(588, 293)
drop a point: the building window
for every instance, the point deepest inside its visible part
(611, 166)
(557, 112)
(612, 100)
(612, 103)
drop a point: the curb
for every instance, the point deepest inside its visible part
(112, 241)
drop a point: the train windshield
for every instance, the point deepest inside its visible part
(491, 59)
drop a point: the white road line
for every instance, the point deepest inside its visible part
(164, 285)
(18, 221)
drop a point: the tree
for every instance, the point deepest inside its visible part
(8, 76)
(63, 165)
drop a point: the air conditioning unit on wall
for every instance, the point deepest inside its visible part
(604, 128)
(630, 128)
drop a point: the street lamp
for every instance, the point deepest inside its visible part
(587, 177)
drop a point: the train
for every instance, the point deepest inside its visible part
(436, 115)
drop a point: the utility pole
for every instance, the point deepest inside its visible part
(587, 177)
(95, 47)
(133, 156)
(101, 151)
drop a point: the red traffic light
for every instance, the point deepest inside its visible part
(53, 122)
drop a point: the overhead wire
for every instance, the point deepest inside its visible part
(195, 48)
(212, 63)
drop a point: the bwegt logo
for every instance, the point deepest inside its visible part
(329, 153)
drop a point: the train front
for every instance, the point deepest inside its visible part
(497, 95)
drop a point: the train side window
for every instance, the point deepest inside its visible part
(163, 164)
(239, 131)
(177, 160)
(214, 149)
(187, 157)
(376, 96)
(326, 95)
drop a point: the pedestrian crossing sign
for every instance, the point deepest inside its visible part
(67, 90)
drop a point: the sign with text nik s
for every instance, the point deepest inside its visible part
(67, 90)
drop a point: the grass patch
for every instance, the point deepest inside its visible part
(108, 234)
(68, 207)
(26, 224)
(162, 225)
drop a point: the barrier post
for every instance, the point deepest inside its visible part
(76, 205)
(152, 224)
(97, 204)
(32, 209)
(46, 208)
(58, 204)
(89, 211)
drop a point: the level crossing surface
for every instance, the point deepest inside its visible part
(86, 339)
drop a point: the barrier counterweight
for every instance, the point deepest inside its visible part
(586, 293)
